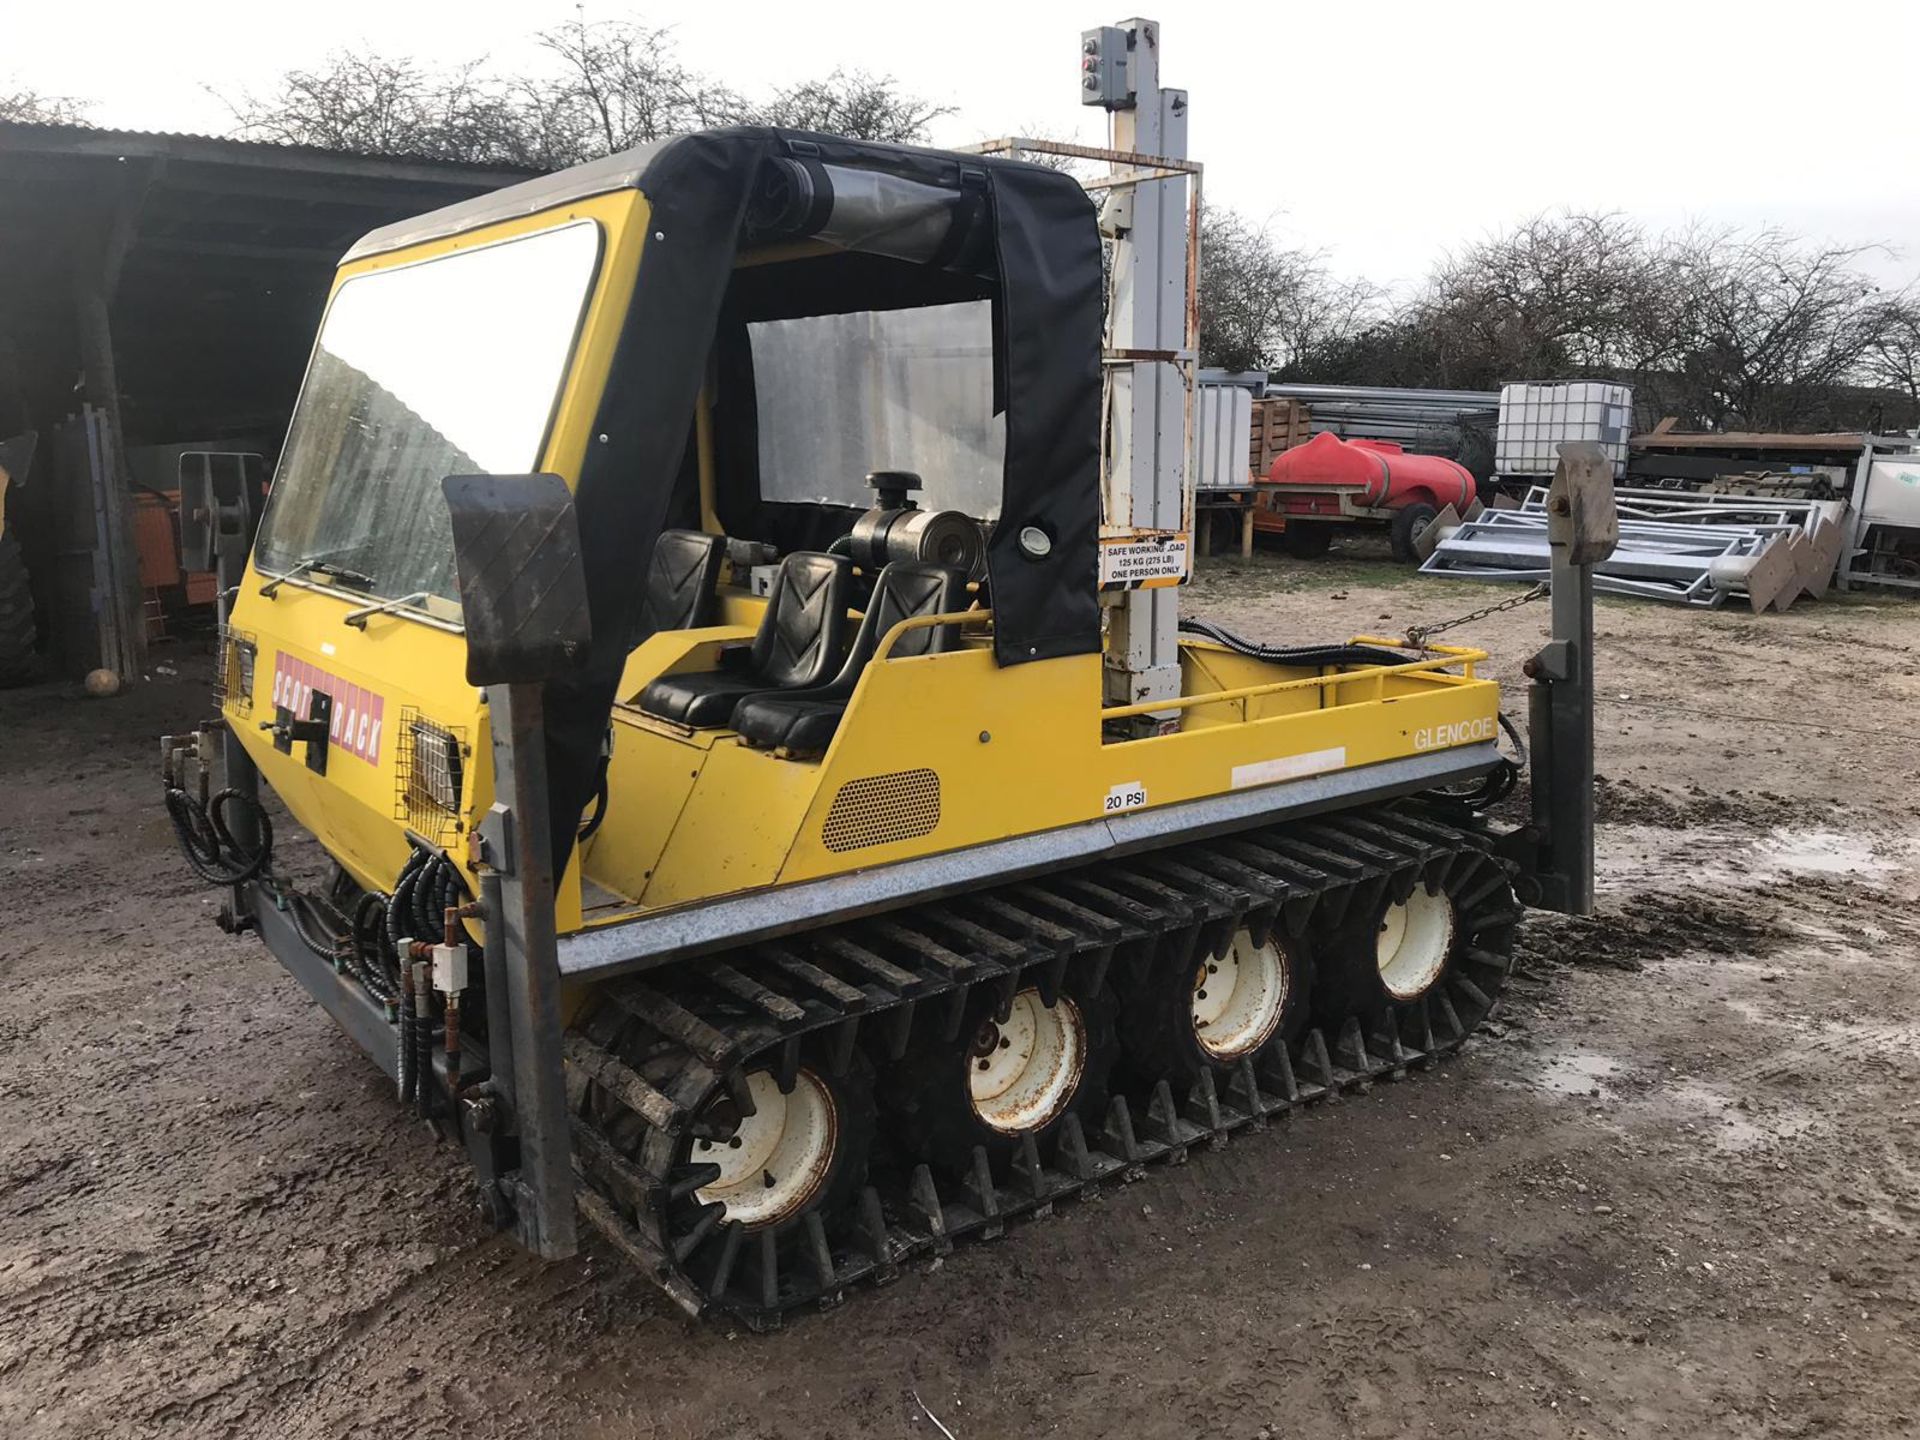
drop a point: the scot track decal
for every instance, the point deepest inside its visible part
(358, 713)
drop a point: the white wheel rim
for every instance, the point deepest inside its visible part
(1238, 998)
(1022, 1072)
(775, 1162)
(1414, 942)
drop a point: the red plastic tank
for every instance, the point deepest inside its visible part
(1390, 477)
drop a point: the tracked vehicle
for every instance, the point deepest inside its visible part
(717, 609)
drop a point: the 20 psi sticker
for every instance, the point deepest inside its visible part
(1130, 796)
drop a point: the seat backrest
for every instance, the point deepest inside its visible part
(904, 589)
(801, 641)
(681, 579)
(909, 588)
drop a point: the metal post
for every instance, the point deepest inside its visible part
(1582, 529)
(96, 276)
(523, 594)
(241, 774)
(519, 846)
(1146, 480)
(1570, 743)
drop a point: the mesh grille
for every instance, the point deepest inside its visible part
(233, 673)
(880, 809)
(429, 765)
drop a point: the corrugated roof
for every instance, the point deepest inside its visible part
(96, 140)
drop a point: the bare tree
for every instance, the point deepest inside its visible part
(607, 85)
(853, 103)
(1775, 331)
(1567, 294)
(1264, 306)
(372, 104)
(1724, 329)
(32, 107)
(622, 84)
(1894, 357)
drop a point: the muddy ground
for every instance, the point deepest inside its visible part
(1675, 1190)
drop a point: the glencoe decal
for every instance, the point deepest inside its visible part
(1439, 737)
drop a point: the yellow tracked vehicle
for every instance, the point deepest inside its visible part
(716, 609)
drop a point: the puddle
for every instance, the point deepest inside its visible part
(1822, 852)
(1733, 858)
(1577, 1072)
(1722, 1124)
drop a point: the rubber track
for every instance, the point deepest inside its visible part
(657, 1050)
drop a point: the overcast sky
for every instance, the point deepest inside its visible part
(1379, 133)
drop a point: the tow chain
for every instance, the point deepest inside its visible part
(1417, 634)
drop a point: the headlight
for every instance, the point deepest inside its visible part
(436, 767)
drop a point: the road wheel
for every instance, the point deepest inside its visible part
(17, 659)
(802, 1149)
(1008, 1073)
(1408, 521)
(1392, 956)
(1180, 1019)
(1306, 540)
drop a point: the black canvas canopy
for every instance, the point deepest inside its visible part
(908, 227)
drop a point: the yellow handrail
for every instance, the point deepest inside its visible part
(1444, 656)
(925, 622)
(1452, 655)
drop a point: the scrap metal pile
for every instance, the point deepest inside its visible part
(1690, 549)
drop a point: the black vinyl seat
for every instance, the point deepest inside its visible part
(799, 644)
(680, 581)
(803, 721)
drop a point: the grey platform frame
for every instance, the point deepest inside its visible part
(651, 940)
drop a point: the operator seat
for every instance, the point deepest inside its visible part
(800, 643)
(680, 581)
(802, 722)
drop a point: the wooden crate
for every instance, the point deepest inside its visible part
(1278, 425)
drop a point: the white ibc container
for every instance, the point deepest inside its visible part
(1535, 420)
(1222, 435)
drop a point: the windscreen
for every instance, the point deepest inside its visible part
(448, 367)
(839, 396)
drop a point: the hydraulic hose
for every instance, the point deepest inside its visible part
(208, 845)
(1308, 655)
(1497, 784)
(400, 906)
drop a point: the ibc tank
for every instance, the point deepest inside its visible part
(1388, 475)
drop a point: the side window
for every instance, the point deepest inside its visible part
(842, 395)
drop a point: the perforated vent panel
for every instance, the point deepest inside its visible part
(880, 809)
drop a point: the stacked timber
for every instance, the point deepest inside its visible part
(1278, 425)
(1803, 485)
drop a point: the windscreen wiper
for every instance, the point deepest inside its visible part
(358, 579)
(318, 565)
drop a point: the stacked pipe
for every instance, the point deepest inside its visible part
(1418, 419)
(1699, 550)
